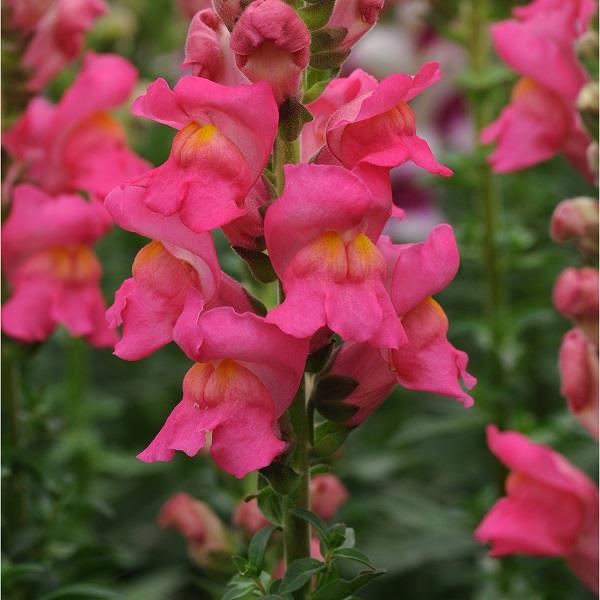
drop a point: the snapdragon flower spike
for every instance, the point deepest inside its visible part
(578, 365)
(208, 52)
(77, 144)
(223, 144)
(246, 376)
(357, 17)
(550, 507)
(177, 267)
(321, 237)
(59, 27)
(378, 127)
(51, 267)
(272, 43)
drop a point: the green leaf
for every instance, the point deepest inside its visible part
(354, 555)
(258, 263)
(316, 14)
(79, 591)
(258, 547)
(313, 519)
(319, 469)
(298, 573)
(241, 564)
(329, 437)
(328, 396)
(239, 590)
(341, 589)
(292, 117)
(336, 535)
(270, 505)
(283, 479)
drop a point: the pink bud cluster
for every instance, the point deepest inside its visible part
(541, 121)
(61, 151)
(323, 236)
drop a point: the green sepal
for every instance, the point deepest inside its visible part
(329, 437)
(293, 115)
(329, 60)
(316, 14)
(327, 39)
(329, 395)
(258, 263)
(282, 478)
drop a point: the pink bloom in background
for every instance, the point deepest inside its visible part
(198, 523)
(327, 495)
(208, 52)
(247, 378)
(356, 16)
(541, 120)
(550, 508)
(178, 268)
(578, 364)
(76, 144)
(377, 128)
(576, 294)
(223, 144)
(576, 218)
(271, 43)
(534, 127)
(321, 236)
(249, 518)
(52, 270)
(58, 27)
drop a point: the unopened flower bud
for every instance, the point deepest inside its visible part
(327, 494)
(207, 50)
(271, 43)
(356, 17)
(578, 364)
(199, 524)
(577, 219)
(249, 518)
(576, 297)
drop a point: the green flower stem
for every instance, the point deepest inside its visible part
(296, 531)
(495, 302)
(284, 153)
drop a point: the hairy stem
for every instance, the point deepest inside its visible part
(296, 531)
(284, 153)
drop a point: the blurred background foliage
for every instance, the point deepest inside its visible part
(79, 511)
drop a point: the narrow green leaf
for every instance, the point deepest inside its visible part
(258, 547)
(298, 573)
(354, 555)
(270, 505)
(313, 519)
(283, 479)
(341, 589)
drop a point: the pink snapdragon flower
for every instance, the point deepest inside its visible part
(208, 52)
(51, 268)
(246, 377)
(223, 144)
(375, 126)
(76, 144)
(327, 495)
(541, 120)
(427, 361)
(578, 365)
(550, 507)
(178, 268)
(199, 524)
(321, 236)
(58, 27)
(356, 17)
(272, 43)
